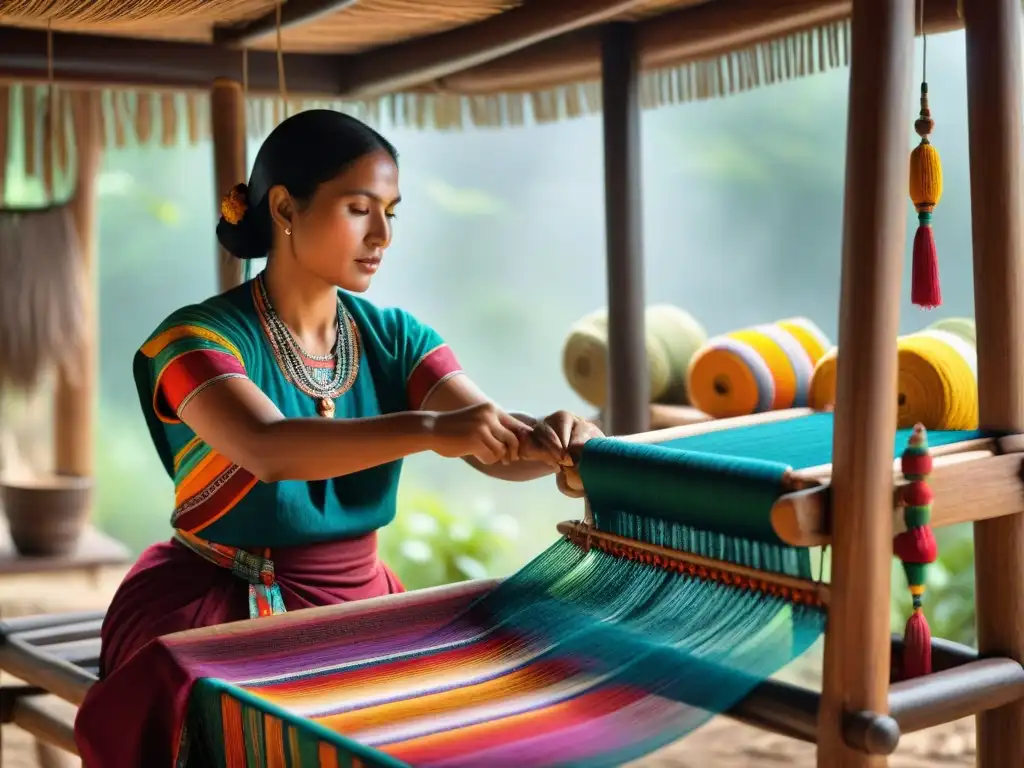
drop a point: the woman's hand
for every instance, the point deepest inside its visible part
(562, 435)
(482, 431)
(558, 440)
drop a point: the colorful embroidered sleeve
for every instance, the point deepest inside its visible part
(195, 347)
(188, 352)
(426, 359)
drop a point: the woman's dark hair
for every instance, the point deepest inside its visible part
(300, 154)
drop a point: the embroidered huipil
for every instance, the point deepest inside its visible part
(222, 511)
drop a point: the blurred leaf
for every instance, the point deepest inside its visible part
(428, 544)
(462, 201)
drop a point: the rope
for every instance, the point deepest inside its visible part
(282, 86)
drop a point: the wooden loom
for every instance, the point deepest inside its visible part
(973, 479)
(857, 517)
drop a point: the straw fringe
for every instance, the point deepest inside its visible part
(43, 286)
(171, 119)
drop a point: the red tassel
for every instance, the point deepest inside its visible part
(917, 646)
(917, 545)
(924, 288)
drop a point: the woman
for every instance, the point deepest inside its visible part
(283, 409)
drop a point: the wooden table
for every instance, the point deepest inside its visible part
(95, 550)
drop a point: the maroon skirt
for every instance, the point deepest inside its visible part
(133, 715)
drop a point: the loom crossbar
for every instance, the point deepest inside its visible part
(809, 592)
(968, 486)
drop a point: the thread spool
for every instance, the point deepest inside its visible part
(761, 368)
(679, 333)
(937, 377)
(938, 381)
(672, 336)
(822, 394)
(961, 326)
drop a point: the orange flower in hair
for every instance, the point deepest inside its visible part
(234, 204)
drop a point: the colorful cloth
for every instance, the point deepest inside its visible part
(257, 570)
(133, 714)
(399, 361)
(578, 660)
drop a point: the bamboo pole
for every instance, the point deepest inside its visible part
(77, 388)
(857, 654)
(227, 115)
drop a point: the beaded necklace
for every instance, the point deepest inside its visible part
(323, 382)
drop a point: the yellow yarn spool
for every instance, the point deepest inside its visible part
(672, 335)
(766, 367)
(822, 395)
(938, 381)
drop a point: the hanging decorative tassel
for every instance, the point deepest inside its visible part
(925, 192)
(916, 548)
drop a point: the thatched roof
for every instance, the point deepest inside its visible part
(428, 63)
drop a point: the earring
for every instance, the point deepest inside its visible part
(287, 230)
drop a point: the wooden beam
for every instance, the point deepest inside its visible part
(408, 65)
(628, 378)
(994, 84)
(76, 396)
(293, 14)
(968, 487)
(671, 39)
(49, 719)
(227, 117)
(536, 46)
(99, 61)
(857, 654)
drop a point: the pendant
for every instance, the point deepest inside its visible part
(325, 407)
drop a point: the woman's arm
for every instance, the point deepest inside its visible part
(460, 392)
(237, 420)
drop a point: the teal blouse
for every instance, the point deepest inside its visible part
(399, 362)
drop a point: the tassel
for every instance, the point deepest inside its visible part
(925, 192)
(916, 547)
(917, 646)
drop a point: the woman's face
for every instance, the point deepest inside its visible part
(341, 235)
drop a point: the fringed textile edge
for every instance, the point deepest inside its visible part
(169, 119)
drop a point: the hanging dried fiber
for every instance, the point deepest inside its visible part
(5, 130)
(42, 290)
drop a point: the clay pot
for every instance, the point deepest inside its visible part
(46, 516)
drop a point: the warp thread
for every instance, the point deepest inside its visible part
(761, 368)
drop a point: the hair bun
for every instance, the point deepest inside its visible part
(234, 204)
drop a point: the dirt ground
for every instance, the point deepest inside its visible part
(722, 743)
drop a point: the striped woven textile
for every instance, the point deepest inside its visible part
(520, 677)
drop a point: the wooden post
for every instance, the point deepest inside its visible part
(857, 640)
(227, 113)
(76, 394)
(994, 123)
(628, 410)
